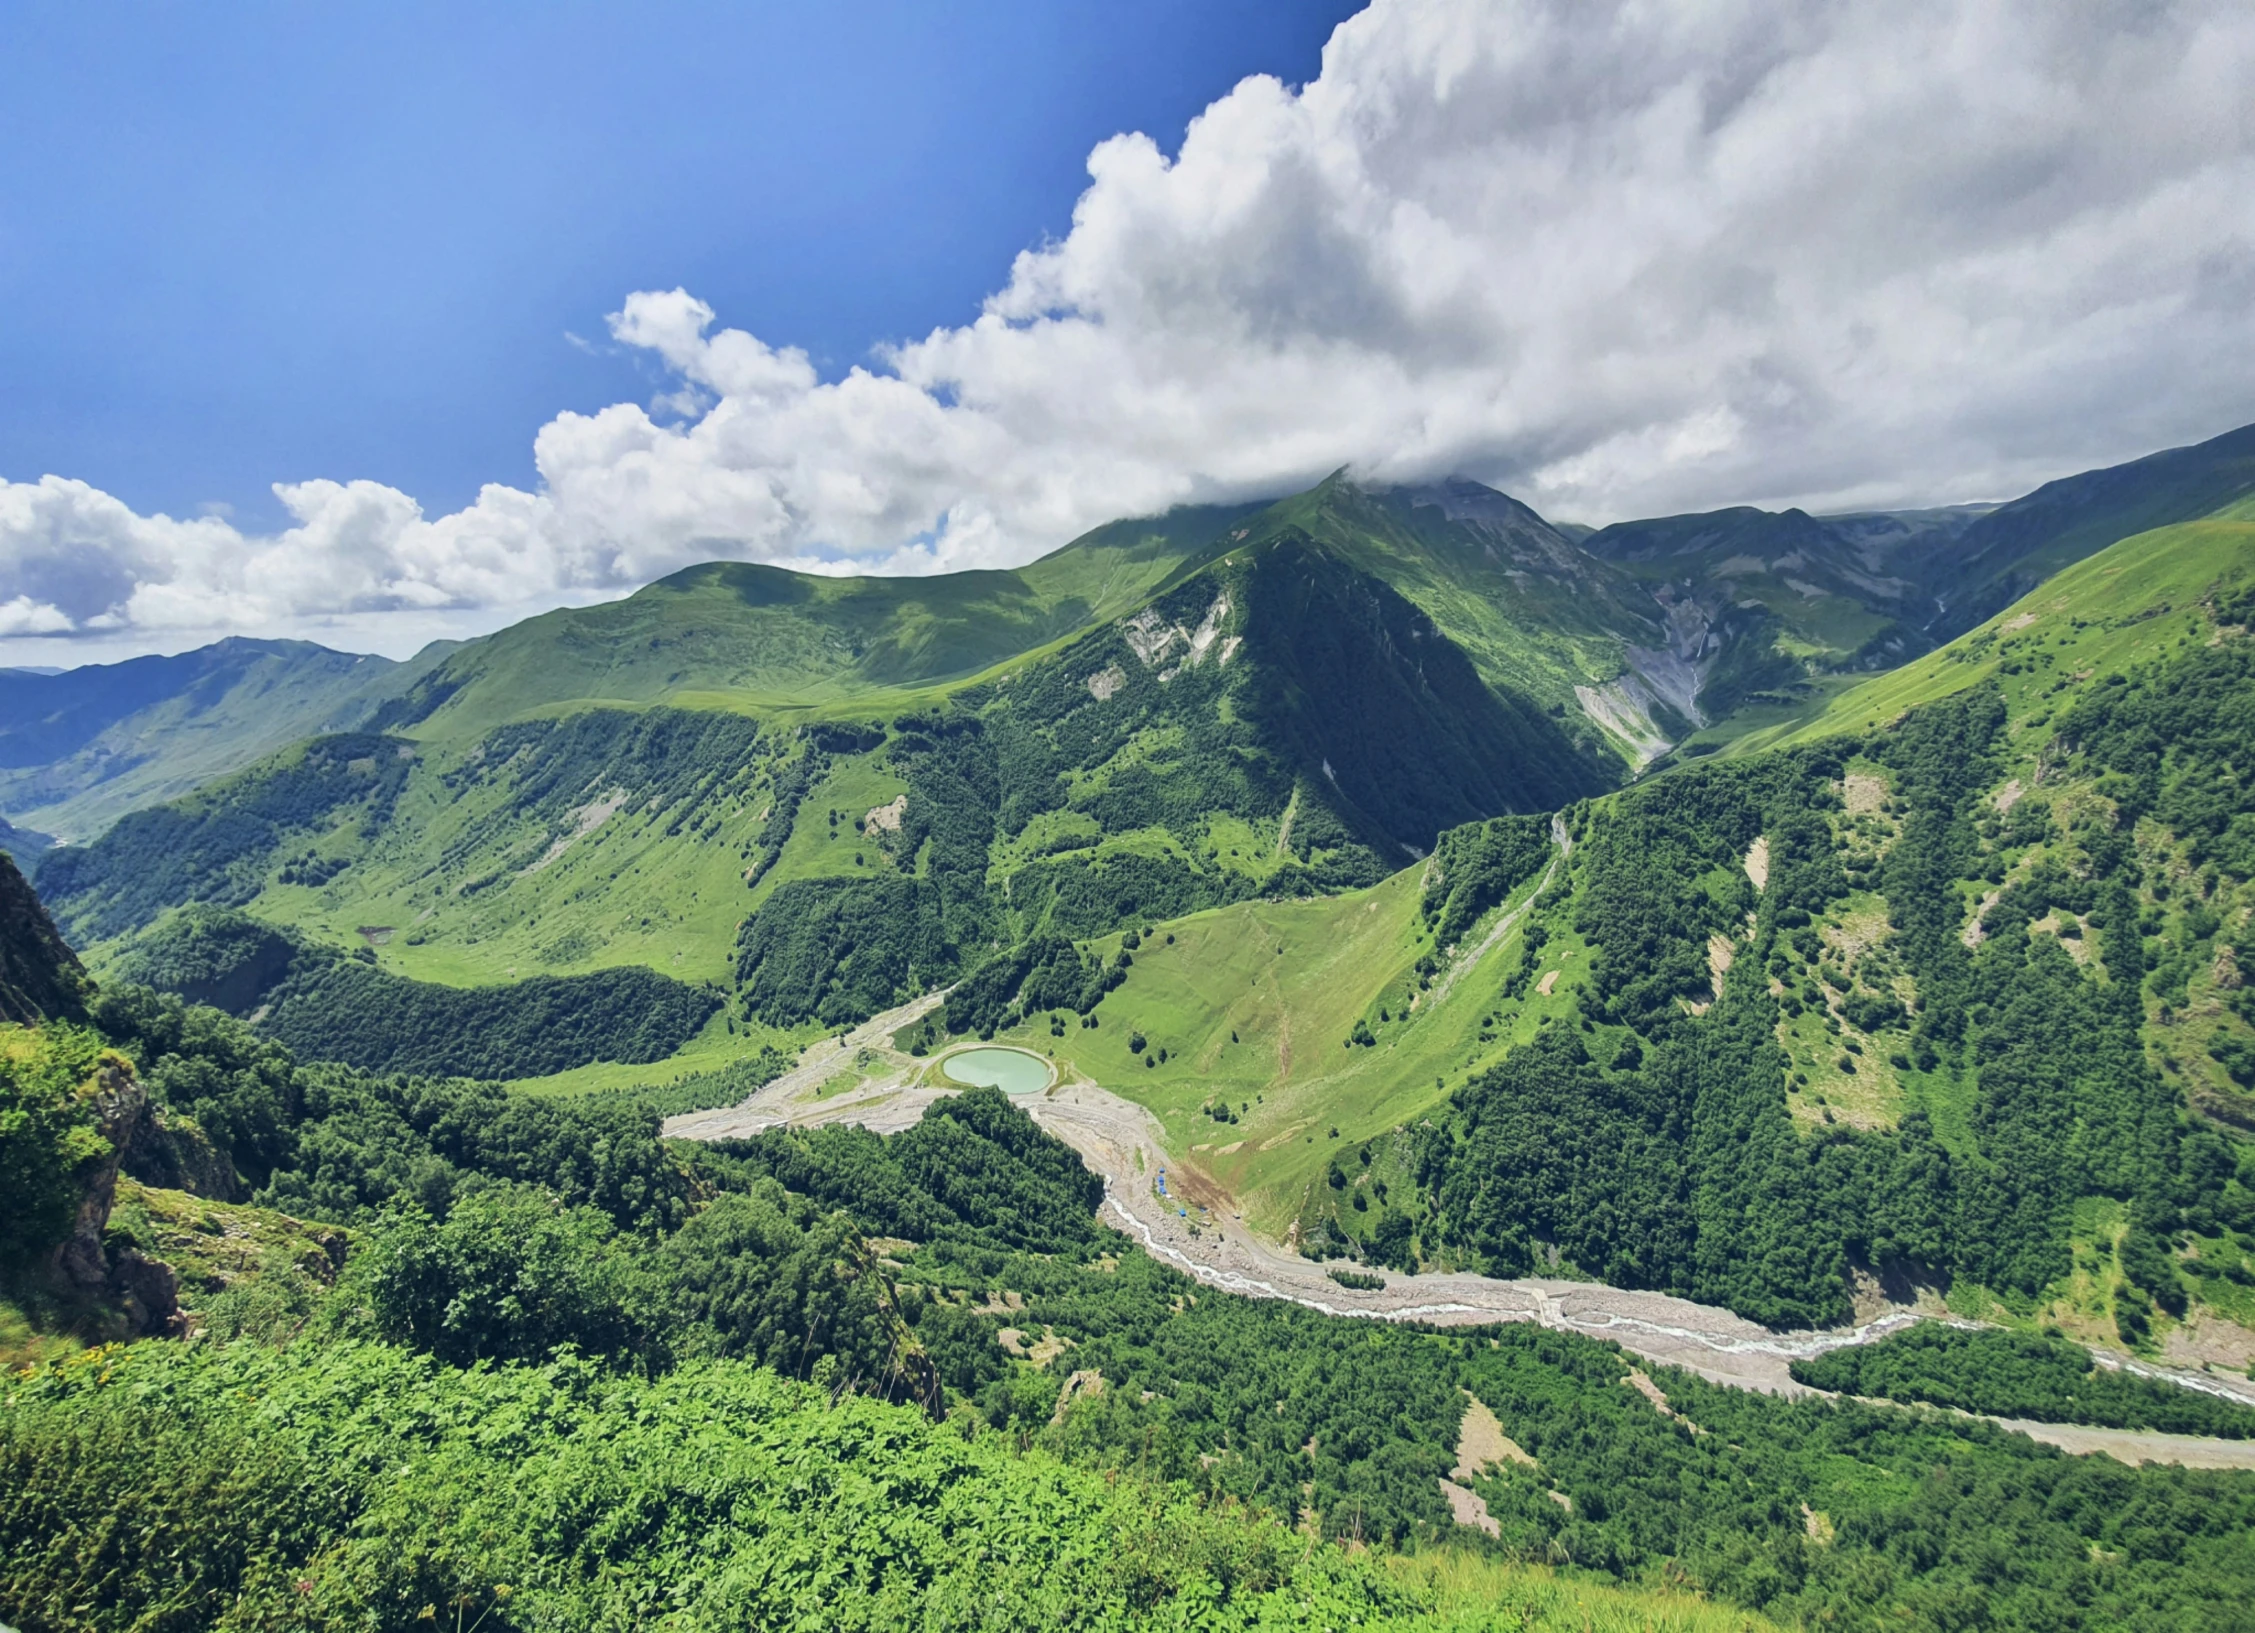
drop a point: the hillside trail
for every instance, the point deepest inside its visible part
(1183, 1216)
(1502, 926)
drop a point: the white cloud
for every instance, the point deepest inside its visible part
(24, 616)
(1621, 258)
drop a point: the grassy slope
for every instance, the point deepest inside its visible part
(2018, 545)
(211, 1246)
(625, 893)
(760, 639)
(821, 849)
(2124, 605)
(1290, 979)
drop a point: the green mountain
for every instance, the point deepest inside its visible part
(1540, 617)
(1770, 612)
(1642, 634)
(1942, 987)
(1200, 750)
(1759, 599)
(2008, 551)
(81, 747)
(734, 635)
(826, 794)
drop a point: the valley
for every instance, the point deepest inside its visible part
(1420, 956)
(1157, 851)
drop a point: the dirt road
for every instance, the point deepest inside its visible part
(1121, 1142)
(884, 1102)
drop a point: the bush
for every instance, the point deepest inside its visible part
(509, 1275)
(50, 1134)
(356, 1486)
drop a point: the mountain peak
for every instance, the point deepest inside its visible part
(1461, 499)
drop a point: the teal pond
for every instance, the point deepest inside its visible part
(1013, 1071)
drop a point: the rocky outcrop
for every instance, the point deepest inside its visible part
(170, 1151)
(145, 1289)
(148, 1293)
(40, 977)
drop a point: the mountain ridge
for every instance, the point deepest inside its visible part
(1650, 631)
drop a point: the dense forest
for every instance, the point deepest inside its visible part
(2023, 1375)
(329, 1005)
(1476, 866)
(1652, 1141)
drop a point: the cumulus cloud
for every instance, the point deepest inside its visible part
(1621, 257)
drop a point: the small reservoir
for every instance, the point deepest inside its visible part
(1013, 1071)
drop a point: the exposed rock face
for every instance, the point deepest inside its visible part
(146, 1288)
(149, 1293)
(172, 1153)
(119, 1102)
(40, 977)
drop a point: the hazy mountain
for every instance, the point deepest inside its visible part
(24, 843)
(80, 747)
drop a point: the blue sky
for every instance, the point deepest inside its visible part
(252, 243)
(912, 288)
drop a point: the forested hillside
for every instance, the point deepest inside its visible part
(1199, 752)
(551, 1371)
(829, 794)
(40, 978)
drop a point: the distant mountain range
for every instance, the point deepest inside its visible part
(81, 747)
